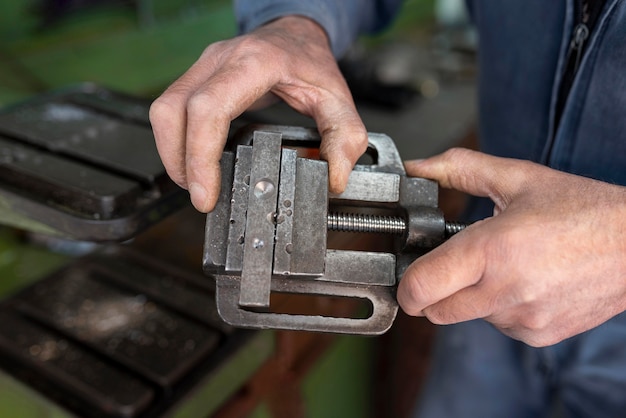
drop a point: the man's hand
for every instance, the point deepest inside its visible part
(289, 58)
(550, 263)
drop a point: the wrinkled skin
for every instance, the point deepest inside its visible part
(550, 264)
(289, 58)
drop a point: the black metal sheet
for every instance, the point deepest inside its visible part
(190, 295)
(78, 373)
(81, 162)
(83, 189)
(146, 337)
(88, 135)
(120, 333)
(127, 107)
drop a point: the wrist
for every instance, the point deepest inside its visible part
(305, 27)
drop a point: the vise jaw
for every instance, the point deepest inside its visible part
(268, 231)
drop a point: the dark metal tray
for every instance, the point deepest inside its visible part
(119, 334)
(81, 162)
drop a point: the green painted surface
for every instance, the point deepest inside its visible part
(20, 401)
(136, 61)
(414, 17)
(341, 383)
(262, 411)
(137, 50)
(231, 375)
(22, 264)
(11, 217)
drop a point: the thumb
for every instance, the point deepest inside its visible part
(441, 275)
(475, 173)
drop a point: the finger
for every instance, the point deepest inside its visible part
(329, 102)
(475, 173)
(449, 268)
(168, 116)
(344, 140)
(168, 119)
(223, 97)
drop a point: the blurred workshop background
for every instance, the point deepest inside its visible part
(413, 82)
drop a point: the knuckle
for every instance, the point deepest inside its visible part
(346, 132)
(527, 296)
(194, 165)
(535, 321)
(256, 53)
(161, 109)
(214, 49)
(250, 45)
(199, 101)
(201, 104)
(457, 153)
(354, 142)
(358, 138)
(411, 294)
(542, 339)
(437, 316)
(198, 165)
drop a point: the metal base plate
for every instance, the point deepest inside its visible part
(118, 334)
(81, 162)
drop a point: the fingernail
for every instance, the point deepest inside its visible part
(411, 165)
(198, 196)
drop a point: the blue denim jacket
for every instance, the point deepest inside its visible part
(522, 49)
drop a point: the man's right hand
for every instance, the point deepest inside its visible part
(289, 58)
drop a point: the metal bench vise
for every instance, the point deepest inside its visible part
(268, 232)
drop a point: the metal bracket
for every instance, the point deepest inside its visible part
(268, 232)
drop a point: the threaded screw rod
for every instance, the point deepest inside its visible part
(358, 222)
(453, 227)
(378, 224)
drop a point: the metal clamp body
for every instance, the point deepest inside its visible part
(268, 232)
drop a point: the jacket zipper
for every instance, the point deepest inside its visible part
(579, 36)
(581, 33)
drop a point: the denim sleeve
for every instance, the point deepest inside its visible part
(343, 20)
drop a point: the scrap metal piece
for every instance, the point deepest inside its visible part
(238, 209)
(279, 211)
(309, 224)
(217, 244)
(284, 213)
(258, 254)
